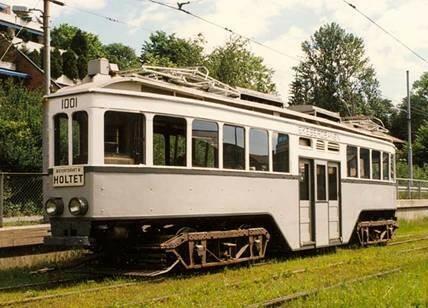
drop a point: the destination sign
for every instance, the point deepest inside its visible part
(64, 176)
(318, 133)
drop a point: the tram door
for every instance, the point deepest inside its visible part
(306, 204)
(319, 202)
(333, 201)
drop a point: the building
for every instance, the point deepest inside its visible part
(18, 33)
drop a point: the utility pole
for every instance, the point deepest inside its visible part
(409, 132)
(47, 46)
(47, 84)
(47, 43)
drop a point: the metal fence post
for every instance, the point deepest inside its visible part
(409, 189)
(420, 189)
(1, 198)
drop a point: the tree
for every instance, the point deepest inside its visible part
(232, 63)
(419, 103)
(63, 35)
(122, 55)
(79, 44)
(421, 145)
(335, 74)
(56, 63)
(235, 65)
(168, 50)
(82, 67)
(20, 128)
(70, 64)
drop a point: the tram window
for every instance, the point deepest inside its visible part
(280, 152)
(123, 138)
(204, 144)
(233, 147)
(392, 167)
(80, 137)
(376, 165)
(61, 139)
(364, 163)
(259, 149)
(352, 153)
(332, 183)
(169, 141)
(306, 142)
(321, 187)
(385, 162)
(305, 185)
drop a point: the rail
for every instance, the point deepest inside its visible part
(412, 189)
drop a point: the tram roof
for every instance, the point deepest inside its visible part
(119, 85)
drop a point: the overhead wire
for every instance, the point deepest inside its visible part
(386, 31)
(227, 29)
(106, 17)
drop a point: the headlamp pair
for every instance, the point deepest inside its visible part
(76, 206)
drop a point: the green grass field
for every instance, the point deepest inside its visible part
(249, 285)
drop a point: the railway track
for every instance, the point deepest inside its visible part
(418, 239)
(275, 302)
(100, 275)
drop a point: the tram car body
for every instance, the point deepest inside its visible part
(138, 154)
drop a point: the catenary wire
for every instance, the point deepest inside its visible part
(227, 29)
(386, 31)
(108, 18)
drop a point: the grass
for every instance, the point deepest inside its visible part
(19, 223)
(242, 286)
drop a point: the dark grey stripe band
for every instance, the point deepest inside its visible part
(153, 170)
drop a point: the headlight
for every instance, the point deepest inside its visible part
(54, 206)
(78, 206)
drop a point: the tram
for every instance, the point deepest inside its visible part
(173, 161)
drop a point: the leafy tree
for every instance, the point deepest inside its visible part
(20, 128)
(235, 65)
(232, 63)
(168, 50)
(419, 104)
(62, 37)
(421, 145)
(56, 63)
(79, 44)
(82, 67)
(70, 64)
(335, 74)
(122, 55)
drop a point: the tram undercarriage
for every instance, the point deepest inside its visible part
(209, 242)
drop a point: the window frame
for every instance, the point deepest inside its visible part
(251, 128)
(219, 127)
(357, 163)
(271, 134)
(87, 137)
(368, 175)
(186, 135)
(372, 151)
(144, 136)
(54, 143)
(246, 158)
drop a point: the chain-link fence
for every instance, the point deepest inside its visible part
(21, 194)
(412, 189)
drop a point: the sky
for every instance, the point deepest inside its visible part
(282, 25)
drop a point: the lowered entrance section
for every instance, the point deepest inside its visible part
(319, 205)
